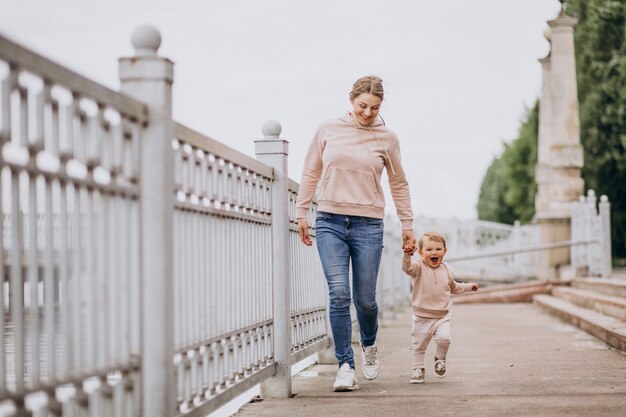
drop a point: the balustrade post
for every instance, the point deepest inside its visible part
(591, 212)
(148, 78)
(605, 219)
(273, 151)
(516, 243)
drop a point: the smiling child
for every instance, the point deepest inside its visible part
(432, 282)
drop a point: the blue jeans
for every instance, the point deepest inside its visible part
(341, 239)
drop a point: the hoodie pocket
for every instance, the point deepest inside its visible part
(351, 186)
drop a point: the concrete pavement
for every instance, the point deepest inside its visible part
(505, 360)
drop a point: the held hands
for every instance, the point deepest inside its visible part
(408, 242)
(303, 230)
(474, 287)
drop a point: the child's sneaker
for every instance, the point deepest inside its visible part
(371, 364)
(346, 379)
(417, 377)
(440, 367)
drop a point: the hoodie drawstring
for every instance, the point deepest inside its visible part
(393, 171)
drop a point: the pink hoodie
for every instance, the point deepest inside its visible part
(347, 162)
(430, 296)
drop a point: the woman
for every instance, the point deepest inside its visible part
(346, 159)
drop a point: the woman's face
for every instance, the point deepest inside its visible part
(365, 108)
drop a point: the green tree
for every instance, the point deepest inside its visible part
(600, 44)
(491, 204)
(508, 189)
(520, 158)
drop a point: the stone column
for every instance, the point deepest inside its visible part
(543, 169)
(560, 156)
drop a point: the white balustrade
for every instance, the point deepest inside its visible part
(308, 289)
(471, 238)
(591, 222)
(69, 202)
(494, 252)
(222, 270)
(393, 292)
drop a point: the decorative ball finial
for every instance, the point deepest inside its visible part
(563, 5)
(146, 40)
(591, 196)
(271, 129)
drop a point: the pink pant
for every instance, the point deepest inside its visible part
(423, 330)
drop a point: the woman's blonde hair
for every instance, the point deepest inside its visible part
(434, 236)
(369, 84)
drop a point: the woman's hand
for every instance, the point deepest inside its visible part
(303, 230)
(408, 241)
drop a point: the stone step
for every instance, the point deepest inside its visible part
(605, 304)
(615, 287)
(608, 329)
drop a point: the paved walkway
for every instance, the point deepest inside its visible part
(505, 360)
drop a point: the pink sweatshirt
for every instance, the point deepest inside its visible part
(432, 287)
(347, 162)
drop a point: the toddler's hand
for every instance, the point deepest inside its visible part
(408, 241)
(474, 287)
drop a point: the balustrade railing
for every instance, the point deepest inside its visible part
(470, 243)
(393, 292)
(222, 270)
(591, 220)
(495, 252)
(69, 176)
(308, 292)
(75, 193)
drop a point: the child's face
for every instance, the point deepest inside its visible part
(432, 252)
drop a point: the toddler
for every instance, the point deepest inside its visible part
(432, 282)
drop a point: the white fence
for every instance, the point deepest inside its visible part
(118, 296)
(495, 252)
(591, 221)
(476, 239)
(70, 288)
(393, 292)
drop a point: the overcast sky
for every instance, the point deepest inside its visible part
(458, 74)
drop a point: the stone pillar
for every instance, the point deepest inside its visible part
(148, 78)
(543, 169)
(560, 156)
(273, 151)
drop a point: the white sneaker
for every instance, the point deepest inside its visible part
(371, 364)
(346, 379)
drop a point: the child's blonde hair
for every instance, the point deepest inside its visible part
(434, 236)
